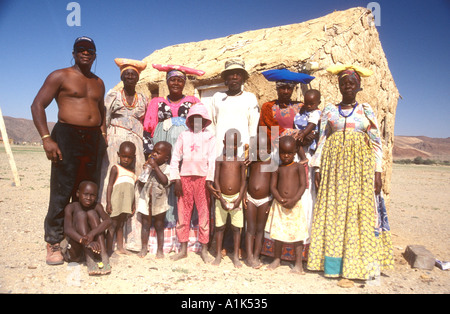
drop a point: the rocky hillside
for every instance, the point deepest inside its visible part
(23, 130)
(410, 147)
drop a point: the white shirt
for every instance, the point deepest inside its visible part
(240, 112)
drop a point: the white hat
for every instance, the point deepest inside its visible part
(232, 64)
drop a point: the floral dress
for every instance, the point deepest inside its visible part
(123, 123)
(344, 239)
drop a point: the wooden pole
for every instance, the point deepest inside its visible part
(5, 137)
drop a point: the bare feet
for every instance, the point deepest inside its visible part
(274, 264)
(159, 254)
(257, 264)
(94, 247)
(236, 262)
(298, 269)
(143, 252)
(217, 260)
(204, 254)
(122, 251)
(182, 254)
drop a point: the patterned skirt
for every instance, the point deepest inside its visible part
(345, 241)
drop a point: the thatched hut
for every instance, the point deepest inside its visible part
(340, 37)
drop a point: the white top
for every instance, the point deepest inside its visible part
(240, 112)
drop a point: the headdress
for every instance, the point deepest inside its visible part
(177, 70)
(284, 76)
(349, 70)
(125, 64)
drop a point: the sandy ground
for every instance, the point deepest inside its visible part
(419, 214)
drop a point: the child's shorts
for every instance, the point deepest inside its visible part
(237, 215)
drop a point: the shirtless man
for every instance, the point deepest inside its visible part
(76, 144)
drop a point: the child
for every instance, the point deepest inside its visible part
(287, 221)
(153, 200)
(120, 194)
(229, 183)
(258, 200)
(85, 222)
(307, 121)
(195, 147)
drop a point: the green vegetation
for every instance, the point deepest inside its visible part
(421, 161)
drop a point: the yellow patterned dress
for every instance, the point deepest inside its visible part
(344, 238)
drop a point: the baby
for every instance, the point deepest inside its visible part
(307, 121)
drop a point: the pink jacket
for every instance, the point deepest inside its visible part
(197, 150)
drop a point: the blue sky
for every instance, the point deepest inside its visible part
(36, 40)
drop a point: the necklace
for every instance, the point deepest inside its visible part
(125, 102)
(345, 117)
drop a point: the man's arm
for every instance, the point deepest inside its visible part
(45, 96)
(102, 110)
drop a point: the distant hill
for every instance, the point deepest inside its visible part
(405, 147)
(410, 147)
(23, 130)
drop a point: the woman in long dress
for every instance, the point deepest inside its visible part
(344, 241)
(165, 120)
(125, 111)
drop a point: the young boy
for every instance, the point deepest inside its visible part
(195, 147)
(287, 221)
(229, 183)
(85, 223)
(120, 195)
(307, 121)
(258, 199)
(153, 200)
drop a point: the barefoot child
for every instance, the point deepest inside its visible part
(229, 183)
(195, 147)
(120, 199)
(307, 121)
(153, 201)
(287, 221)
(258, 200)
(85, 223)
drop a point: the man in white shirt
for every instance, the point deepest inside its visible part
(234, 108)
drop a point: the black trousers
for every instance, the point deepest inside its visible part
(82, 151)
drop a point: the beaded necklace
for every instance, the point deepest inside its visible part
(125, 102)
(346, 116)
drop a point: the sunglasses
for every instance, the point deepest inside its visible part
(79, 49)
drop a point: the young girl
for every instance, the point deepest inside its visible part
(153, 201)
(287, 222)
(120, 200)
(196, 148)
(258, 199)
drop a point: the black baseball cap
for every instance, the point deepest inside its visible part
(84, 38)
